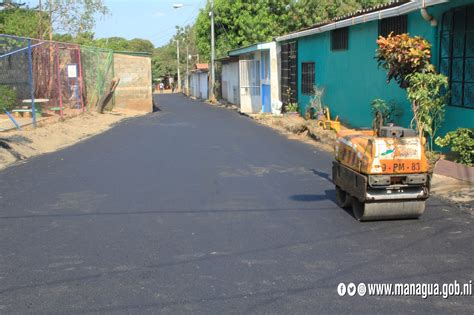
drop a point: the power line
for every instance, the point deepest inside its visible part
(191, 17)
(170, 33)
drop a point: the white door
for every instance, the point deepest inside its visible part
(250, 99)
(203, 85)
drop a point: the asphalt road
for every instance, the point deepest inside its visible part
(197, 209)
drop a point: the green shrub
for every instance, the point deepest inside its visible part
(462, 143)
(390, 111)
(291, 107)
(408, 62)
(425, 92)
(8, 98)
(315, 105)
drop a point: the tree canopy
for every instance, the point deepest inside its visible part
(72, 16)
(240, 23)
(164, 58)
(18, 19)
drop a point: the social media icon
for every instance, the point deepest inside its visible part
(341, 289)
(351, 289)
(361, 289)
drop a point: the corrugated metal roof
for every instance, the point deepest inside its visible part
(391, 4)
(393, 8)
(202, 66)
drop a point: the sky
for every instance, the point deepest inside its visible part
(154, 20)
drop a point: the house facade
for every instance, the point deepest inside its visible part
(258, 77)
(199, 81)
(230, 84)
(340, 57)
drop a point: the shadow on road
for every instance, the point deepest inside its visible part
(321, 174)
(329, 194)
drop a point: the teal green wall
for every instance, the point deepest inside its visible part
(352, 79)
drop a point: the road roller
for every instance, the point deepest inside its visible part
(382, 174)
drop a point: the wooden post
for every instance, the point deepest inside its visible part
(81, 88)
(58, 73)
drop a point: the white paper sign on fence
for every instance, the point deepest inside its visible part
(72, 71)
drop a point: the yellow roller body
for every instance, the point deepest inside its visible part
(366, 153)
(381, 177)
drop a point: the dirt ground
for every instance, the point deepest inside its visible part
(454, 190)
(50, 136)
(297, 128)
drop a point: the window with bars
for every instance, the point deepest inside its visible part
(307, 77)
(396, 25)
(340, 39)
(457, 54)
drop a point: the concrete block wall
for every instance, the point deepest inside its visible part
(134, 91)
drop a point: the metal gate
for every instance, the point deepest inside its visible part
(250, 94)
(289, 72)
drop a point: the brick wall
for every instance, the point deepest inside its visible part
(135, 89)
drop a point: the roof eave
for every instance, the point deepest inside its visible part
(372, 16)
(251, 48)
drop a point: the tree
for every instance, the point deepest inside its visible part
(164, 58)
(425, 91)
(407, 61)
(114, 43)
(18, 19)
(241, 23)
(141, 45)
(402, 55)
(84, 38)
(72, 16)
(10, 4)
(19, 22)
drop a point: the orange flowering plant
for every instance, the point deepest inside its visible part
(402, 55)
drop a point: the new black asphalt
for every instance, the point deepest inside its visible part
(197, 209)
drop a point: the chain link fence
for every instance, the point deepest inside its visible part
(98, 65)
(41, 79)
(16, 77)
(57, 76)
(46, 79)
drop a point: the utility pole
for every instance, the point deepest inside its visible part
(177, 64)
(40, 20)
(187, 68)
(213, 53)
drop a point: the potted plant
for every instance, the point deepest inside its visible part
(315, 106)
(291, 107)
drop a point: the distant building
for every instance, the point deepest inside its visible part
(230, 82)
(199, 81)
(258, 76)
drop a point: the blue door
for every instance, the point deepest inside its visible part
(266, 106)
(265, 79)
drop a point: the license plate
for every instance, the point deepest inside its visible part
(400, 167)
